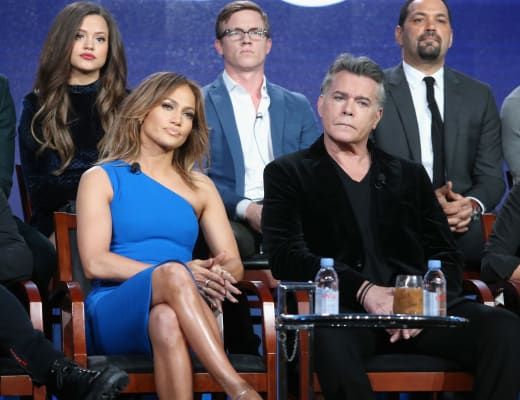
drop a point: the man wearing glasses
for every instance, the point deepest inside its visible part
(252, 121)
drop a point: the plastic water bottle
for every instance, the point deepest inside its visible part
(434, 285)
(327, 293)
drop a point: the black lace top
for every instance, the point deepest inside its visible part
(47, 191)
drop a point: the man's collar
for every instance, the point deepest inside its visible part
(230, 84)
(414, 77)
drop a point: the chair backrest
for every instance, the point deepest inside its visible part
(24, 193)
(488, 219)
(69, 262)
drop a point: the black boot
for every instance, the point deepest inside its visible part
(70, 382)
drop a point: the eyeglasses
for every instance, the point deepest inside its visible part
(239, 34)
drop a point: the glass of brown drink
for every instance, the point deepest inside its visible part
(408, 294)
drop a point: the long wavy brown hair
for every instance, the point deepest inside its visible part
(123, 141)
(51, 84)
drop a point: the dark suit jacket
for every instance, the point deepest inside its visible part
(293, 127)
(307, 215)
(7, 135)
(472, 133)
(16, 260)
(502, 253)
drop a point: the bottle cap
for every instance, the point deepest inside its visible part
(327, 262)
(434, 264)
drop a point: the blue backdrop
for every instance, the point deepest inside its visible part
(178, 35)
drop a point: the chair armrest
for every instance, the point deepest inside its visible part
(480, 289)
(266, 304)
(68, 297)
(27, 292)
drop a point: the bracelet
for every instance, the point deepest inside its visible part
(364, 292)
(358, 296)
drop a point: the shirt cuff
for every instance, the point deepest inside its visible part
(241, 208)
(482, 208)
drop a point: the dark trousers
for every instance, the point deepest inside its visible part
(45, 260)
(488, 347)
(20, 340)
(471, 244)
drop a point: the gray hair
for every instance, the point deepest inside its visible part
(362, 66)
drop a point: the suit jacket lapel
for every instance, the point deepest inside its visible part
(277, 117)
(224, 110)
(398, 89)
(452, 109)
(386, 178)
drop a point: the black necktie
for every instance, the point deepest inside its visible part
(437, 135)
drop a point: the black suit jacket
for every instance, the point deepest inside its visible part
(502, 253)
(307, 215)
(16, 260)
(7, 135)
(472, 133)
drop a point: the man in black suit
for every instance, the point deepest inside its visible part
(28, 346)
(43, 251)
(470, 149)
(377, 216)
(7, 136)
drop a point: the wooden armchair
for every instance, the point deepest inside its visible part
(14, 381)
(258, 371)
(398, 373)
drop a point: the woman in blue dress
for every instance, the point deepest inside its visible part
(139, 212)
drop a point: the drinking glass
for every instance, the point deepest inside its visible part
(408, 294)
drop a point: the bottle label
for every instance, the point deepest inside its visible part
(434, 303)
(327, 301)
(431, 303)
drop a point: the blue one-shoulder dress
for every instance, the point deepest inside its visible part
(151, 224)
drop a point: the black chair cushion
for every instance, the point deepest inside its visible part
(411, 362)
(256, 261)
(140, 363)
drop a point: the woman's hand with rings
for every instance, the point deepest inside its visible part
(215, 281)
(210, 282)
(229, 282)
(215, 303)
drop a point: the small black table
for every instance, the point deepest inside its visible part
(295, 322)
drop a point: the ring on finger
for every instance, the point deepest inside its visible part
(206, 284)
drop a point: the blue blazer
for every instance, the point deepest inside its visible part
(293, 127)
(472, 132)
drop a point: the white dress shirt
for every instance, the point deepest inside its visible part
(254, 129)
(417, 86)
(415, 79)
